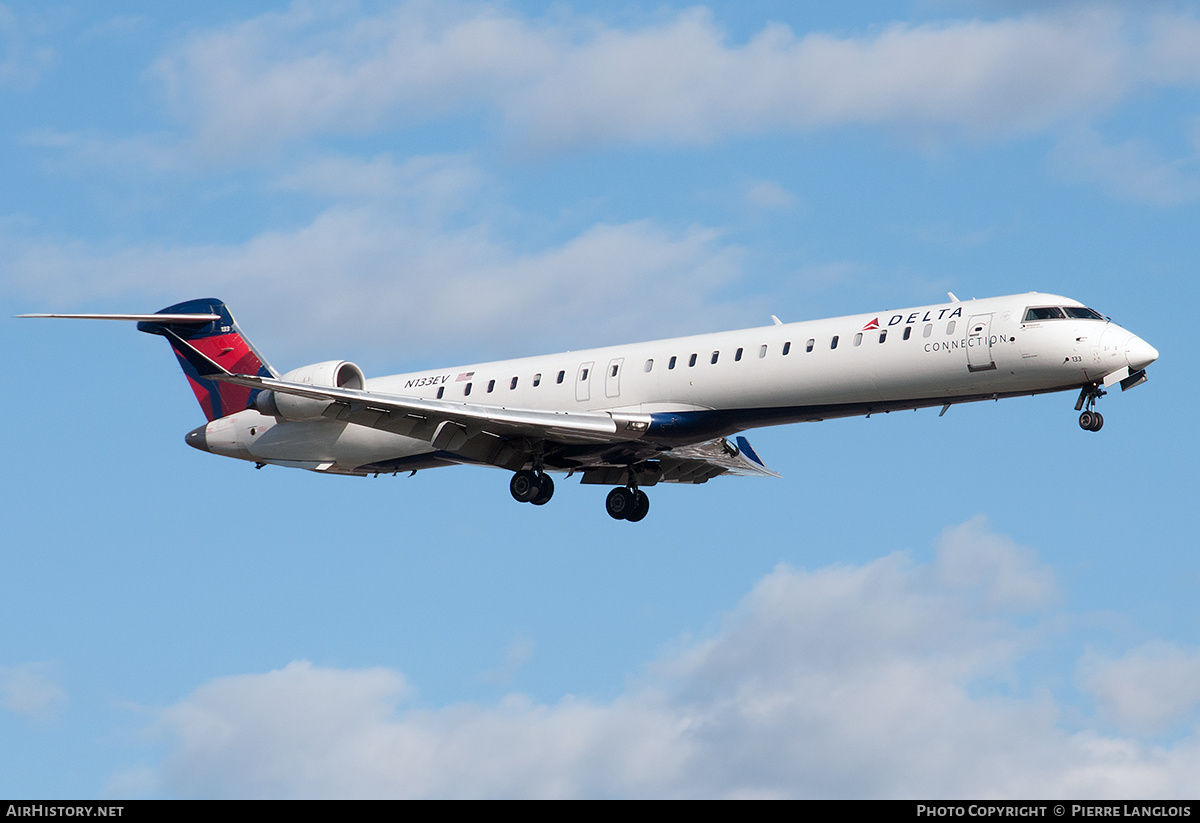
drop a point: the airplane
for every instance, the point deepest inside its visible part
(632, 416)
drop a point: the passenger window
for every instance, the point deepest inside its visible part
(907, 332)
(537, 380)
(950, 327)
(928, 330)
(582, 376)
(737, 355)
(787, 347)
(762, 352)
(441, 391)
(809, 345)
(692, 360)
(466, 389)
(716, 354)
(513, 384)
(883, 335)
(614, 372)
(491, 385)
(833, 345)
(561, 375)
(671, 363)
(649, 365)
(858, 339)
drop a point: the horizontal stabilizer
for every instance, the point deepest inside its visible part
(202, 334)
(198, 319)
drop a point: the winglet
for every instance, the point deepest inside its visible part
(745, 448)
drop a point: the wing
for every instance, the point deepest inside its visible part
(449, 424)
(503, 436)
(445, 423)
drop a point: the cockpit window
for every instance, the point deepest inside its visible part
(1044, 313)
(1056, 313)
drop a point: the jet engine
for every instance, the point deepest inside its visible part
(340, 374)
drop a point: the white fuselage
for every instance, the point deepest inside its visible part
(710, 385)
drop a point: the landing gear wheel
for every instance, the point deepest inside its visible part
(641, 506)
(525, 486)
(1091, 421)
(546, 491)
(620, 503)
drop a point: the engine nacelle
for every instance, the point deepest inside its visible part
(341, 374)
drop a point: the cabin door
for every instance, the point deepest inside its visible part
(612, 377)
(583, 382)
(979, 343)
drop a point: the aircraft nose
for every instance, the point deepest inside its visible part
(197, 438)
(1139, 354)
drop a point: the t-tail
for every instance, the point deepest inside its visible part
(207, 326)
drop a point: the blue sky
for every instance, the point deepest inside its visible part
(991, 603)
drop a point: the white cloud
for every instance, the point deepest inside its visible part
(1148, 690)
(683, 82)
(143, 153)
(1173, 49)
(1131, 170)
(432, 288)
(21, 64)
(570, 80)
(31, 690)
(770, 196)
(320, 707)
(318, 69)
(520, 651)
(1010, 577)
(243, 92)
(877, 680)
(438, 183)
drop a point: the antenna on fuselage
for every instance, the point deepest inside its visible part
(953, 299)
(778, 322)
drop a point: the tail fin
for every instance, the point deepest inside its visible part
(222, 342)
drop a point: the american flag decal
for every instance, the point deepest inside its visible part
(467, 375)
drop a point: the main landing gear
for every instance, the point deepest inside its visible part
(534, 487)
(623, 503)
(1090, 419)
(629, 503)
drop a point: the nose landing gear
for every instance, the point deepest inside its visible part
(1090, 419)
